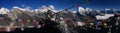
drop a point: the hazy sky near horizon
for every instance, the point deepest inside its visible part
(60, 4)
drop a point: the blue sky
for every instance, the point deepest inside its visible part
(60, 4)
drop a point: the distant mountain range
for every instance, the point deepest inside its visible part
(43, 12)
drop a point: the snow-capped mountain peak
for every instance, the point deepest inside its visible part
(107, 9)
(23, 9)
(15, 7)
(81, 10)
(51, 7)
(88, 9)
(43, 9)
(27, 8)
(4, 10)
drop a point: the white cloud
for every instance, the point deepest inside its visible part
(23, 5)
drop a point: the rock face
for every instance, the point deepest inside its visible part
(18, 12)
